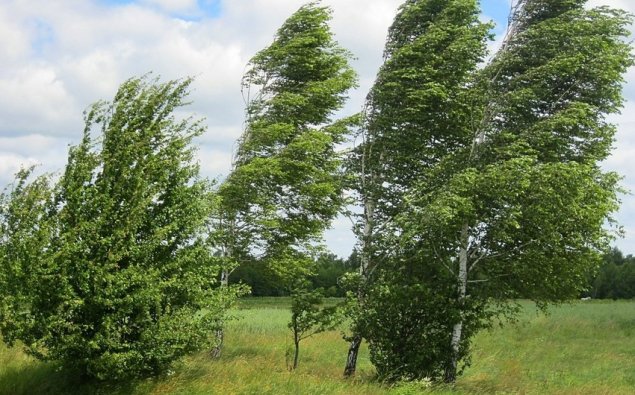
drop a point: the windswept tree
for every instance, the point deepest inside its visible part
(111, 271)
(501, 194)
(286, 184)
(417, 112)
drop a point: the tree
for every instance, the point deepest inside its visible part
(286, 182)
(285, 187)
(329, 269)
(505, 198)
(111, 270)
(308, 317)
(263, 280)
(432, 49)
(616, 277)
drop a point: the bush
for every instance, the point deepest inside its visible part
(110, 271)
(408, 319)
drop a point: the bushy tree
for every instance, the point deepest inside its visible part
(111, 270)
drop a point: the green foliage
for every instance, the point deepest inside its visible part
(615, 279)
(261, 279)
(417, 112)
(309, 318)
(486, 179)
(326, 270)
(286, 185)
(112, 271)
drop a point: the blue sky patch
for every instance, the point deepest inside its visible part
(211, 8)
(498, 10)
(44, 36)
(204, 9)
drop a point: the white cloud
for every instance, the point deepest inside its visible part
(14, 41)
(35, 99)
(626, 5)
(215, 163)
(340, 238)
(57, 57)
(10, 164)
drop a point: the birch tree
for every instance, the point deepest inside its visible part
(286, 184)
(433, 47)
(506, 199)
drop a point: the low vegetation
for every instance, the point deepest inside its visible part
(579, 348)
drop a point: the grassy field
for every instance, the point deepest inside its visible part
(581, 348)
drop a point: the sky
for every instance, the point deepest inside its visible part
(58, 57)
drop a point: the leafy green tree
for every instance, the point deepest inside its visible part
(263, 280)
(112, 269)
(285, 187)
(286, 184)
(432, 49)
(26, 231)
(329, 269)
(498, 193)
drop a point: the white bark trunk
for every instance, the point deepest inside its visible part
(353, 351)
(457, 330)
(364, 265)
(227, 252)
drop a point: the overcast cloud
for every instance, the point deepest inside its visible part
(58, 57)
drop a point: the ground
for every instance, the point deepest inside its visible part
(579, 348)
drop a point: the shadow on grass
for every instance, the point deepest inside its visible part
(45, 379)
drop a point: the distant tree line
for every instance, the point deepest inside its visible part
(615, 278)
(328, 270)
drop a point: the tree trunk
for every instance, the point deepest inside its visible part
(220, 335)
(353, 350)
(351, 360)
(457, 330)
(296, 355)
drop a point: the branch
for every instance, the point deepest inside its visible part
(488, 279)
(441, 260)
(486, 255)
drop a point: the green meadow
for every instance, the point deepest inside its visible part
(578, 348)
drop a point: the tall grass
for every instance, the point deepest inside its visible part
(581, 348)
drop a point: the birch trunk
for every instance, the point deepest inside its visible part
(457, 330)
(351, 359)
(227, 252)
(216, 351)
(353, 350)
